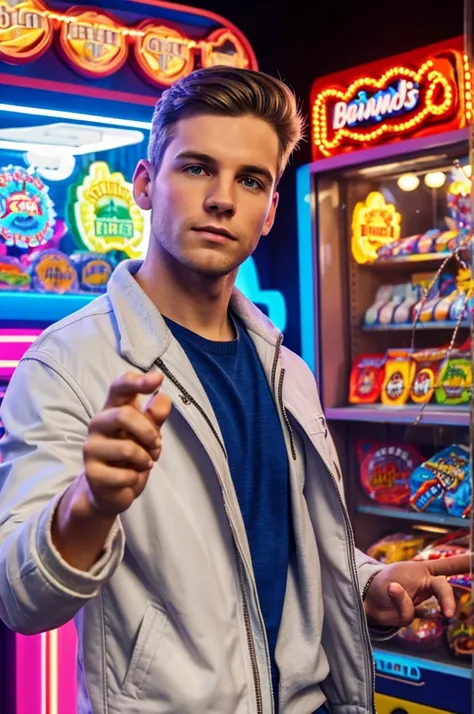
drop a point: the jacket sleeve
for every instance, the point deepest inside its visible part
(45, 414)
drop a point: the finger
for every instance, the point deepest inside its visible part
(159, 408)
(125, 389)
(103, 477)
(444, 595)
(125, 422)
(115, 488)
(456, 565)
(402, 603)
(113, 451)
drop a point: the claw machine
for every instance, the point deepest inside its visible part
(385, 231)
(78, 85)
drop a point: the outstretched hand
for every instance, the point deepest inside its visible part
(398, 589)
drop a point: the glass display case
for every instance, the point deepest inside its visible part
(385, 231)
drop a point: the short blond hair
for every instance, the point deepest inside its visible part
(226, 91)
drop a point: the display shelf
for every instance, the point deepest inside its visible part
(39, 307)
(438, 519)
(408, 326)
(432, 414)
(439, 660)
(401, 261)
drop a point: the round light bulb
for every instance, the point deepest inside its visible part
(408, 182)
(435, 179)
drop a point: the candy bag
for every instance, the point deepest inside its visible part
(385, 469)
(366, 378)
(427, 367)
(440, 476)
(383, 296)
(455, 380)
(399, 370)
(397, 547)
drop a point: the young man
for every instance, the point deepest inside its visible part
(205, 550)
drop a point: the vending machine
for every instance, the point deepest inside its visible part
(385, 230)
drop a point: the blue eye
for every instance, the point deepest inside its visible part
(194, 170)
(250, 182)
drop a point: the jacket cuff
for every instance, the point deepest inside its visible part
(63, 576)
(367, 572)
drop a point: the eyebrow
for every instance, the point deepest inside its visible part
(244, 169)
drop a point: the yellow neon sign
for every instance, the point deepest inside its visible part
(96, 44)
(26, 31)
(163, 54)
(223, 48)
(93, 43)
(107, 217)
(374, 224)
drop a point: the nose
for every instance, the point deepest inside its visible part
(220, 199)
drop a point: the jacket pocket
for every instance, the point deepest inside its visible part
(315, 426)
(149, 635)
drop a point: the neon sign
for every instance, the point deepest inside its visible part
(27, 215)
(93, 43)
(223, 48)
(248, 283)
(107, 217)
(163, 54)
(25, 31)
(374, 224)
(409, 98)
(389, 102)
(96, 44)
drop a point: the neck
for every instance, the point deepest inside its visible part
(198, 302)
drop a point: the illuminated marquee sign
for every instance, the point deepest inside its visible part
(223, 48)
(93, 43)
(107, 217)
(409, 98)
(374, 224)
(27, 215)
(97, 45)
(163, 54)
(26, 31)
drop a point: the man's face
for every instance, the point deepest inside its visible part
(214, 193)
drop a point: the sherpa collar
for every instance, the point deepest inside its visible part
(144, 335)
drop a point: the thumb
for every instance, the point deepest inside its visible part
(403, 603)
(158, 408)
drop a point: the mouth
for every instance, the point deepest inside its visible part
(215, 233)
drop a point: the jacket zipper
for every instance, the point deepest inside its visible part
(278, 394)
(355, 578)
(341, 503)
(187, 399)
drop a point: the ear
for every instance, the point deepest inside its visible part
(267, 226)
(142, 184)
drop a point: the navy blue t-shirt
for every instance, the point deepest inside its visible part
(237, 388)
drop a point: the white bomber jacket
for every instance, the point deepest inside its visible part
(168, 619)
